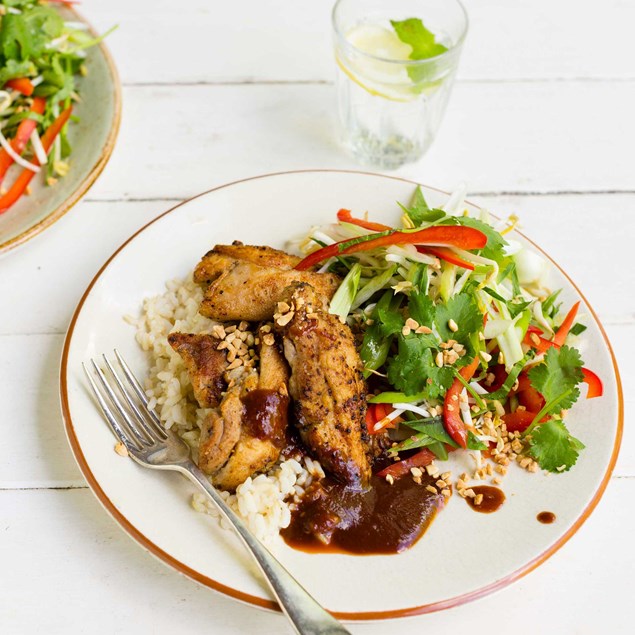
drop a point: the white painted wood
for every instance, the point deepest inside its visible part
(498, 137)
(67, 567)
(203, 41)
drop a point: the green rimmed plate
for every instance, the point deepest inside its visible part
(92, 138)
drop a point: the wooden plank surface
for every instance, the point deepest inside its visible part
(501, 137)
(68, 568)
(290, 41)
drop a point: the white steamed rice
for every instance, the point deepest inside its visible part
(263, 502)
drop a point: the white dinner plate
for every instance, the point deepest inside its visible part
(462, 556)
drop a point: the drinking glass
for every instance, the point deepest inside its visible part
(390, 106)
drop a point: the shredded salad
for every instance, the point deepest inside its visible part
(41, 56)
(463, 344)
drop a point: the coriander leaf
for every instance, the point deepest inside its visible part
(423, 41)
(413, 369)
(553, 447)
(14, 68)
(421, 309)
(474, 443)
(464, 311)
(387, 314)
(420, 212)
(15, 39)
(559, 373)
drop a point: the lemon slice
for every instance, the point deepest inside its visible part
(379, 41)
(380, 77)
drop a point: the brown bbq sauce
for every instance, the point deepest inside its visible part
(382, 519)
(266, 414)
(546, 518)
(493, 498)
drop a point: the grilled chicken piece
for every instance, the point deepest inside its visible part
(245, 282)
(205, 365)
(326, 385)
(223, 255)
(246, 434)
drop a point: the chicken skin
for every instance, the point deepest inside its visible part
(204, 363)
(326, 383)
(246, 282)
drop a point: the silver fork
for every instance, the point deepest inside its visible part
(151, 445)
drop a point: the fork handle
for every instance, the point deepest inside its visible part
(306, 615)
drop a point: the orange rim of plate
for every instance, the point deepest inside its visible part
(269, 604)
(99, 165)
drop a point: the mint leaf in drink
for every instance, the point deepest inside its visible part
(424, 46)
(423, 42)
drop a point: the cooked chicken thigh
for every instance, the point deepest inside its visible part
(205, 365)
(326, 383)
(246, 432)
(245, 282)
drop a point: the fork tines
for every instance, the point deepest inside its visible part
(133, 423)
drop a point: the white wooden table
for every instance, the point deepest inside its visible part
(540, 123)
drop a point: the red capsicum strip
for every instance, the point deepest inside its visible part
(443, 253)
(22, 136)
(455, 236)
(448, 255)
(452, 421)
(21, 183)
(401, 468)
(22, 85)
(345, 216)
(594, 384)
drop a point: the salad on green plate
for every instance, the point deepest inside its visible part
(42, 55)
